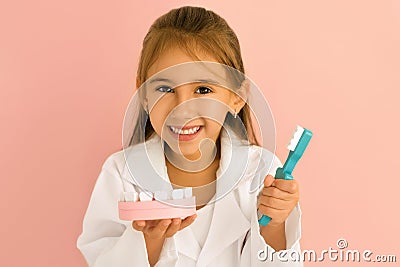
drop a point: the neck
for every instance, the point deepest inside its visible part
(194, 163)
(203, 183)
(190, 176)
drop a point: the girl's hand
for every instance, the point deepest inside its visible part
(160, 229)
(278, 198)
(155, 232)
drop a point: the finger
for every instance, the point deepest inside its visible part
(271, 212)
(159, 230)
(269, 179)
(290, 186)
(188, 221)
(276, 193)
(277, 216)
(139, 225)
(275, 203)
(150, 224)
(173, 227)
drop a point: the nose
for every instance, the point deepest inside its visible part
(183, 93)
(185, 106)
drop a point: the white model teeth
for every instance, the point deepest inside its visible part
(177, 194)
(131, 196)
(186, 131)
(187, 192)
(158, 195)
(145, 196)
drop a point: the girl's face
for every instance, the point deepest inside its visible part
(178, 125)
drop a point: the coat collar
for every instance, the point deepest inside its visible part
(145, 163)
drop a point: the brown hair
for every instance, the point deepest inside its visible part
(192, 29)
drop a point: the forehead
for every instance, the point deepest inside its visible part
(174, 56)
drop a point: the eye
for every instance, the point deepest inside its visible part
(165, 89)
(203, 90)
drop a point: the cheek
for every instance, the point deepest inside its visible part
(213, 128)
(158, 115)
(157, 120)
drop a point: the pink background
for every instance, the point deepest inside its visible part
(67, 71)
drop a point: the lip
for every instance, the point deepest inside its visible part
(185, 137)
(185, 127)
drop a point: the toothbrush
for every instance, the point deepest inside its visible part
(297, 145)
(158, 205)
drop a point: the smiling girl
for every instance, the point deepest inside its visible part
(225, 231)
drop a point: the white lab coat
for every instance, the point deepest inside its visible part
(233, 240)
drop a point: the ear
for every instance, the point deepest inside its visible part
(240, 96)
(145, 105)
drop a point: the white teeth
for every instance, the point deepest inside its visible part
(158, 195)
(145, 196)
(177, 194)
(161, 195)
(131, 196)
(186, 131)
(187, 192)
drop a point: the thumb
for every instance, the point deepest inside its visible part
(269, 179)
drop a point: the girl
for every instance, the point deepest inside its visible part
(225, 231)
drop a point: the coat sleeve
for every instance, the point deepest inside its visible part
(257, 252)
(106, 240)
(263, 254)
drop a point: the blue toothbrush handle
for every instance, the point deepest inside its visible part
(264, 220)
(286, 171)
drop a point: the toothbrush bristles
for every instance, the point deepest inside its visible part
(296, 137)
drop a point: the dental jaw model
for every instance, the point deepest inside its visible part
(178, 203)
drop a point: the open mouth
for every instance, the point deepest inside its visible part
(185, 133)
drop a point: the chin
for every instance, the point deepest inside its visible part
(188, 153)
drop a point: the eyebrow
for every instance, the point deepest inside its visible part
(160, 80)
(196, 81)
(206, 81)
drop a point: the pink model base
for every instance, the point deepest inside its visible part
(155, 210)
